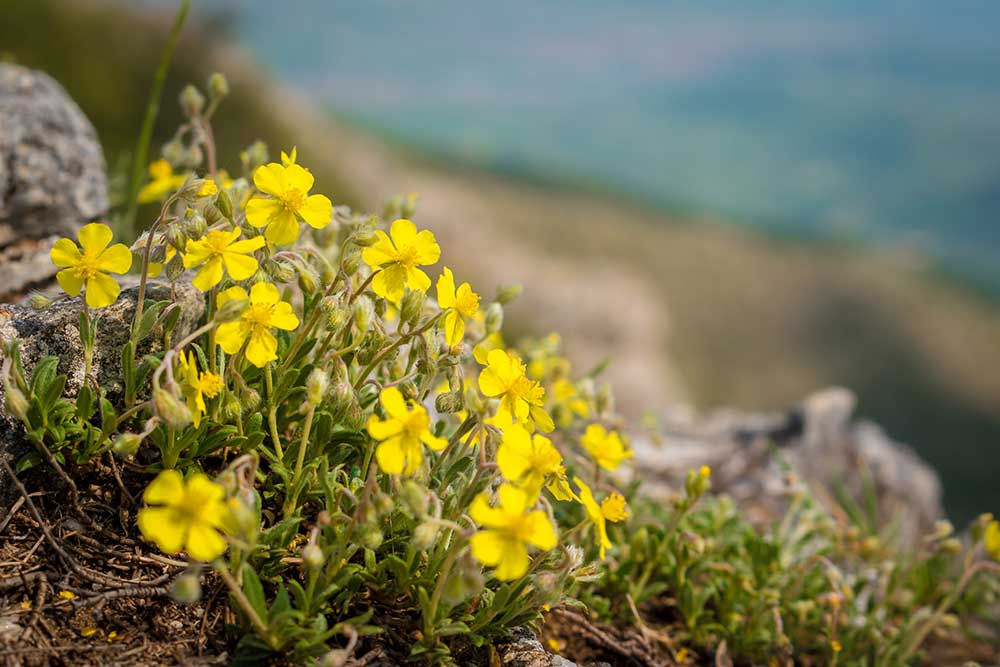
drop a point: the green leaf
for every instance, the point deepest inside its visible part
(254, 591)
(44, 374)
(149, 318)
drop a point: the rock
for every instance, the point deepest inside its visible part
(818, 440)
(522, 649)
(52, 176)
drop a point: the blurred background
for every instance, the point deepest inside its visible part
(739, 203)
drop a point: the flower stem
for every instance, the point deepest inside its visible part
(300, 461)
(272, 413)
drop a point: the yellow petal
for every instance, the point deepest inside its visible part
(433, 441)
(196, 253)
(65, 253)
(70, 281)
(166, 488)
(454, 328)
(383, 430)
(379, 253)
(446, 289)
(282, 317)
(262, 348)
(390, 282)
(116, 259)
(512, 499)
(230, 337)
(262, 210)
(391, 456)
(102, 290)
(417, 279)
(487, 547)
(163, 526)
(270, 178)
(403, 233)
(204, 543)
(231, 294)
(95, 237)
(298, 178)
(428, 251)
(317, 211)
(543, 533)
(393, 403)
(265, 293)
(209, 275)
(239, 267)
(247, 246)
(515, 561)
(284, 228)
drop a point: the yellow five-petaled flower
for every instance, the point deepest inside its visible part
(532, 462)
(398, 258)
(459, 305)
(220, 249)
(400, 435)
(509, 529)
(266, 311)
(612, 509)
(185, 515)
(288, 186)
(196, 386)
(522, 400)
(89, 264)
(606, 447)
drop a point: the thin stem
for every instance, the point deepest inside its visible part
(300, 461)
(272, 413)
(246, 606)
(442, 576)
(392, 348)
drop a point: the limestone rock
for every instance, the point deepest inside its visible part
(821, 442)
(52, 176)
(522, 649)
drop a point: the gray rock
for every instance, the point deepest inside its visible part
(52, 176)
(522, 649)
(818, 440)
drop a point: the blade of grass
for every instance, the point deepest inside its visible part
(149, 120)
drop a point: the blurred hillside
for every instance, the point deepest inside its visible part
(690, 310)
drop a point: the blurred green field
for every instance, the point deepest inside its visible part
(723, 316)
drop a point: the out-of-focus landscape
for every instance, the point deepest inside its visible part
(738, 204)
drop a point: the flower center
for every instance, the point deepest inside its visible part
(217, 242)
(407, 256)
(416, 424)
(258, 315)
(210, 384)
(293, 199)
(88, 267)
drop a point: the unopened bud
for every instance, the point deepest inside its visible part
(39, 302)
(312, 556)
(177, 237)
(337, 657)
(175, 267)
(171, 411)
(448, 402)
(192, 101)
(230, 311)
(413, 306)
(424, 536)
(507, 293)
(370, 536)
(364, 237)
(494, 318)
(224, 203)
(212, 214)
(17, 404)
(126, 445)
(218, 86)
(251, 401)
(308, 280)
(173, 152)
(195, 225)
(354, 416)
(414, 498)
(232, 409)
(281, 272)
(254, 156)
(351, 261)
(186, 588)
(316, 385)
(952, 545)
(364, 311)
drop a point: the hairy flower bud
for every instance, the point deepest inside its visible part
(192, 101)
(212, 214)
(351, 260)
(494, 318)
(39, 302)
(507, 293)
(414, 498)
(170, 410)
(176, 236)
(424, 536)
(312, 556)
(230, 311)
(308, 280)
(186, 588)
(17, 405)
(316, 386)
(224, 203)
(279, 271)
(195, 225)
(413, 307)
(126, 445)
(448, 402)
(354, 416)
(364, 311)
(218, 86)
(175, 267)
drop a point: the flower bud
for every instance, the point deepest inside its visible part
(126, 445)
(254, 156)
(171, 411)
(173, 152)
(177, 237)
(494, 318)
(175, 267)
(604, 401)
(424, 536)
(337, 657)
(507, 293)
(39, 301)
(232, 408)
(186, 588)
(195, 225)
(414, 498)
(952, 545)
(218, 86)
(192, 101)
(364, 237)
(448, 402)
(312, 556)
(354, 416)
(251, 401)
(17, 405)
(364, 311)
(224, 203)
(230, 311)
(351, 261)
(413, 307)
(212, 214)
(281, 272)
(369, 536)
(316, 386)
(308, 280)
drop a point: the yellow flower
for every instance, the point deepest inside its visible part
(67, 595)
(288, 187)
(522, 400)
(531, 462)
(90, 264)
(566, 402)
(164, 181)
(991, 540)
(185, 515)
(220, 248)
(613, 509)
(509, 529)
(266, 311)
(401, 434)
(459, 305)
(196, 386)
(398, 258)
(288, 159)
(605, 447)
(208, 188)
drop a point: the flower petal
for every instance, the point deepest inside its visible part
(393, 403)
(262, 210)
(65, 253)
(116, 259)
(209, 275)
(515, 561)
(433, 441)
(239, 267)
(204, 543)
(454, 328)
(379, 253)
(265, 293)
(284, 228)
(247, 246)
(262, 348)
(403, 233)
(102, 290)
(390, 456)
(282, 317)
(446, 289)
(270, 178)
(162, 526)
(543, 533)
(428, 250)
(95, 237)
(70, 281)
(390, 282)
(488, 547)
(383, 430)
(230, 336)
(298, 178)
(166, 488)
(231, 294)
(317, 211)
(417, 279)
